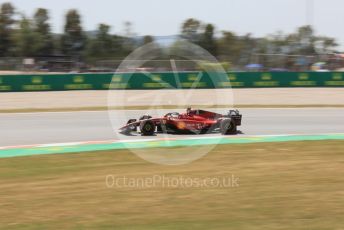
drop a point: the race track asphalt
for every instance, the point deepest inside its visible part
(61, 127)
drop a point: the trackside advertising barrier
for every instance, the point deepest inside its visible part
(168, 80)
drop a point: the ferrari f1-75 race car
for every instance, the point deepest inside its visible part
(193, 121)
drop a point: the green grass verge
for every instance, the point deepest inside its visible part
(295, 185)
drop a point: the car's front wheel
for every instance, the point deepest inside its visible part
(147, 128)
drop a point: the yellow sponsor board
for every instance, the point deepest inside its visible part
(337, 76)
(78, 79)
(303, 76)
(156, 77)
(231, 84)
(116, 78)
(193, 77)
(232, 77)
(194, 84)
(238, 84)
(36, 87)
(303, 83)
(5, 88)
(78, 86)
(266, 77)
(36, 80)
(156, 85)
(334, 83)
(116, 86)
(266, 83)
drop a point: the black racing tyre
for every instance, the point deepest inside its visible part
(227, 127)
(204, 131)
(207, 130)
(159, 128)
(147, 128)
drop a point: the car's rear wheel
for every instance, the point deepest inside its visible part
(228, 127)
(147, 128)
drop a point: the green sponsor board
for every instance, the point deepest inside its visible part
(285, 79)
(168, 80)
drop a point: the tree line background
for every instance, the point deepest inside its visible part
(31, 36)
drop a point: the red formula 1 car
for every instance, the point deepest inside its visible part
(193, 121)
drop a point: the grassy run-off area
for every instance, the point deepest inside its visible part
(290, 185)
